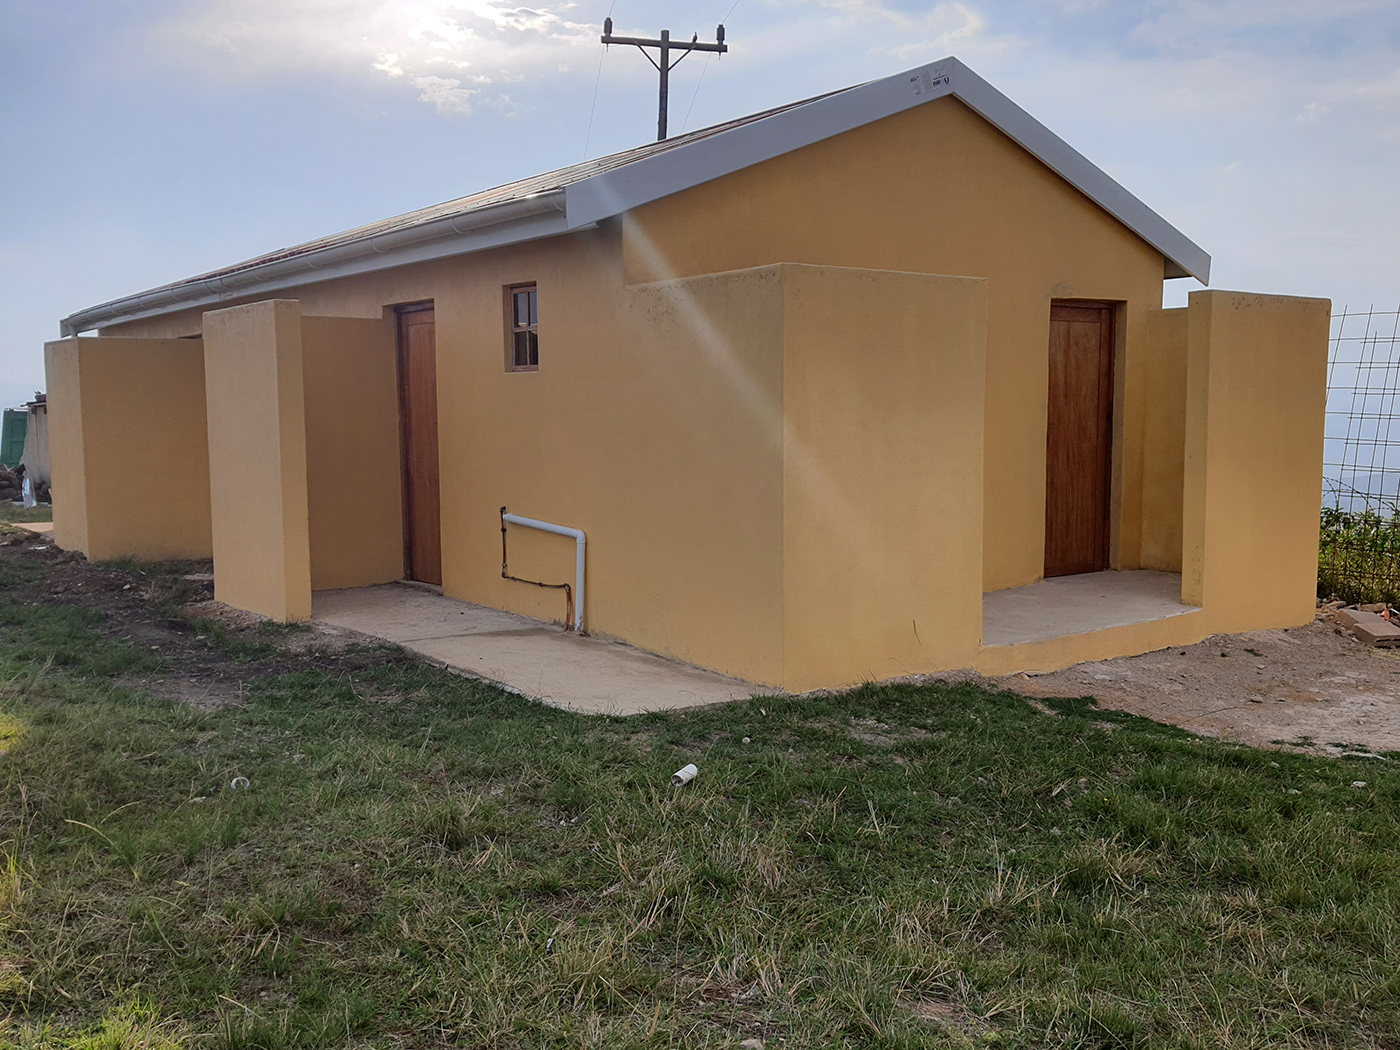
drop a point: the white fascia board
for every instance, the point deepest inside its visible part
(455, 235)
(612, 193)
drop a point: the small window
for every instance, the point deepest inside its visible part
(523, 350)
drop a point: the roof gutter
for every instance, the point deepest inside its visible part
(541, 215)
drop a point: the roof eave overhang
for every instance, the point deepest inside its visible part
(530, 219)
(651, 178)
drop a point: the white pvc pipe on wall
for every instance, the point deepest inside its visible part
(582, 542)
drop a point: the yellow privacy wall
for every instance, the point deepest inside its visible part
(257, 458)
(882, 490)
(129, 453)
(1255, 402)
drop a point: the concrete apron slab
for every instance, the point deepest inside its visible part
(1068, 605)
(526, 656)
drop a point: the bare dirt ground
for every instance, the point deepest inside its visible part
(136, 607)
(1313, 688)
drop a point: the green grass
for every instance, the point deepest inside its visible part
(10, 512)
(424, 860)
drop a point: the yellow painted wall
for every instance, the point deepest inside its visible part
(128, 422)
(939, 190)
(1164, 440)
(882, 484)
(66, 460)
(1256, 396)
(257, 458)
(354, 499)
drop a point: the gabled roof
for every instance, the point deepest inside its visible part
(582, 195)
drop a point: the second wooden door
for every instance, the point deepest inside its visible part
(1078, 439)
(418, 418)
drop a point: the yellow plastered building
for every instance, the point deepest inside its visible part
(871, 385)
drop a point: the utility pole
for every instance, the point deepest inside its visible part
(665, 45)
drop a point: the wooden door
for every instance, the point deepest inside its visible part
(1078, 439)
(418, 420)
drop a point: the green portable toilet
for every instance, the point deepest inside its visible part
(12, 435)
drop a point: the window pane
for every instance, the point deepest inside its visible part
(534, 349)
(522, 308)
(534, 307)
(522, 349)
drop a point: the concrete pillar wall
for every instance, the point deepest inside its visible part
(1256, 392)
(884, 394)
(128, 447)
(67, 462)
(666, 447)
(257, 458)
(353, 474)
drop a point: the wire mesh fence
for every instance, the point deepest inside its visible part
(1359, 554)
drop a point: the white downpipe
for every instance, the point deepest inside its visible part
(582, 543)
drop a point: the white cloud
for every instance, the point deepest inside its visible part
(446, 94)
(389, 63)
(939, 29)
(410, 42)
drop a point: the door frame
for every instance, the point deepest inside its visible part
(1116, 309)
(405, 448)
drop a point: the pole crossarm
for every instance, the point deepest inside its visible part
(673, 45)
(665, 45)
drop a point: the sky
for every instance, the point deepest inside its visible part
(143, 141)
